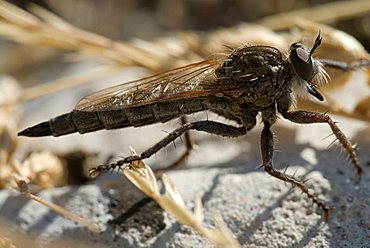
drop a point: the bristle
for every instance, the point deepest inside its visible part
(331, 134)
(322, 77)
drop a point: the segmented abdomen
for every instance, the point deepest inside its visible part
(89, 121)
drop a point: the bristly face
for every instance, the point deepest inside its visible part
(305, 66)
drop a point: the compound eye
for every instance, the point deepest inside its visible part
(302, 62)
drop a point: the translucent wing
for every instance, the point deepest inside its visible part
(189, 81)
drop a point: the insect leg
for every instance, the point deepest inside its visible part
(312, 117)
(212, 127)
(340, 65)
(267, 150)
(189, 145)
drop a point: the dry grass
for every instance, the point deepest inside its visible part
(42, 169)
(323, 13)
(143, 178)
(91, 226)
(4, 242)
(50, 30)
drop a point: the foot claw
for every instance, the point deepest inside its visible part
(357, 177)
(95, 172)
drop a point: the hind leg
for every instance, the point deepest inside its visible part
(211, 127)
(189, 146)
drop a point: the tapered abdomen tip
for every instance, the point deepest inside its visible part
(39, 130)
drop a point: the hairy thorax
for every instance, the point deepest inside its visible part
(263, 72)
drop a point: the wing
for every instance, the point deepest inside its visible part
(194, 80)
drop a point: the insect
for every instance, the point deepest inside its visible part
(249, 81)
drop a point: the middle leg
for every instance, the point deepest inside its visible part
(267, 150)
(344, 66)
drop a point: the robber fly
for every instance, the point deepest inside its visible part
(251, 80)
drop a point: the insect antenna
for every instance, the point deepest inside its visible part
(317, 43)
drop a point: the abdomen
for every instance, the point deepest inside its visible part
(89, 121)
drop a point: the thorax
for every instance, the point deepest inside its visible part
(261, 71)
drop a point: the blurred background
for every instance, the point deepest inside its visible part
(125, 20)
(119, 19)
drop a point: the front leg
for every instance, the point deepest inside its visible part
(267, 150)
(340, 65)
(212, 127)
(312, 117)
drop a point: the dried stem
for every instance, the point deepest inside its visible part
(23, 188)
(23, 27)
(324, 13)
(68, 82)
